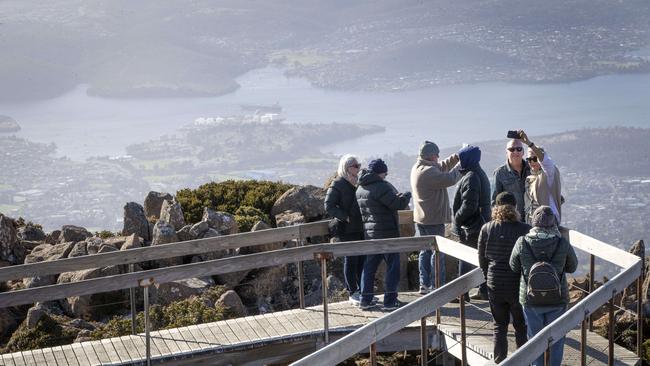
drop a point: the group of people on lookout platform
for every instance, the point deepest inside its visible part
(514, 226)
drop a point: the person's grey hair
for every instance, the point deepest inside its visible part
(346, 161)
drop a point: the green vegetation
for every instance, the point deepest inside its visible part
(105, 234)
(47, 333)
(232, 196)
(247, 216)
(194, 310)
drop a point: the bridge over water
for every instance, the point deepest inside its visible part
(325, 334)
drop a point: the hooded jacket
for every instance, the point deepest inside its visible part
(429, 182)
(471, 208)
(379, 202)
(543, 246)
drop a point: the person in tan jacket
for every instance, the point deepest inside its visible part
(429, 182)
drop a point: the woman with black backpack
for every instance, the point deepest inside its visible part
(543, 257)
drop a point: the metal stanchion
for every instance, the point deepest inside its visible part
(583, 340)
(610, 333)
(373, 354)
(134, 311)
(423, 342)
(301, 278)
(437, 272)
(547, 353)
(323, 257)
(463, 331)
(145, 285)
(592, 260)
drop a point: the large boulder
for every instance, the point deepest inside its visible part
(78, 250)
(135, 221)
(34, 314)
(7, 322)
(49, 252)
(232, 303)
(223, 222)
(166, 293)
(73, 233)
(197, 230)
(93, 244)
(153, 203)
(31, 232)
(172, 212)
(308, 200)
(260, 225)
(288, 218)
(10, 249)
(88, 307)
(164, 233)
(53, 237)
(131, 242)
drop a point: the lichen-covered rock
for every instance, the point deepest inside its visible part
(49, 252)
(232, 302)
(105, 248)
(260, 225)
(308, 200)
(223, 222)
(172, 213)
(164, 233)
(184, 233)
(53, 237)
(78, 250)
(86, 307)
(34, 315)
(71, 233)
(197, 230)
(31, 232)
(153, 203)
(135, 221)
(10, 248)
(117, 241)
(93, 244)
(131, 242)
(166, 293)
(288, 218)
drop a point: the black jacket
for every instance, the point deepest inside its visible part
(495, 243)
(379, 202)
(341, 203)
(471, 206)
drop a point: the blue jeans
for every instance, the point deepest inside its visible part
(352, 269)
(426, 259)
(391, 279)
(537, 317)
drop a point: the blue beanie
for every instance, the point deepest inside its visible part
(469, 156)
(378, 166)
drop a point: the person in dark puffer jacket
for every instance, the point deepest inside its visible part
(379, 202)
(341, 204)
(471, 208)
(546, 243)
(495, 243)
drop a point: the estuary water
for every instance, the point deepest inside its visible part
(84, 126)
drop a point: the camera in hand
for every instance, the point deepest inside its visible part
(513, 134)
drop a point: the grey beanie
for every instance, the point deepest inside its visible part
(543, 217)
(505, 198)
(428, 148)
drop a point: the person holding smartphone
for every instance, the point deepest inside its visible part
(511, 176)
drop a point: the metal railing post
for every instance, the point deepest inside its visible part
(373, 354)
(301, 277)
(639, 311)
(423, 342)
(583, 340)
(437, 272)
(463, 331)
(610, 331)
(547, 353)
(134, 312)
(145, 285)
(323, 257)
(592, 265)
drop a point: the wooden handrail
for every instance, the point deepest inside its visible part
(164, 251)
(600, 249)
(218, 266)
(379, 329)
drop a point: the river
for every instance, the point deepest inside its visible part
(84, 126)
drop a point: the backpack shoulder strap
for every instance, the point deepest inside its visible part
(530, 249)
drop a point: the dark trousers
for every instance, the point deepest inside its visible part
(502, 308)
(353, 266)
(470, 240)
(391, 278)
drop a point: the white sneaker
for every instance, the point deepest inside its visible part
(355, 299)
(424, 290)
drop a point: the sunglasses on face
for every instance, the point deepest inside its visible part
(355, 166)
(532, 158)
(517, 149)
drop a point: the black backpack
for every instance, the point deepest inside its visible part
(544, 286)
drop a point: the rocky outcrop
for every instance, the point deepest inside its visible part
(132, 241)
(91, 306)
(260, 225)
(135, 221)
(71, 233)
(232, 303)
(164, 233)
(166, 293)
(197, 230)
(153, 203)
(49, 252)
(53, 237)
(11, 250)
(7, 322)
(172, 213)
(308, 200)
(223, 222)
(31, 232)
(288, 218)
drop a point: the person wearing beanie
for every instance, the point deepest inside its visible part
(341, 204)
(543, 242)
(511, 176)
(471, 208)
(543, 185)
(431, 211)
(495, 243)
(379, 202)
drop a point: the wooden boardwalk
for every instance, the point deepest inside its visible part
(282, 336)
